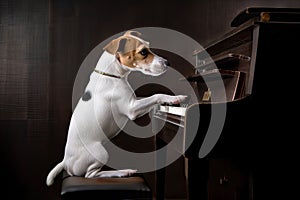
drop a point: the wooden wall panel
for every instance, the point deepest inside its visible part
(24, 59)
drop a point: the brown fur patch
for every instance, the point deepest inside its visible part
(133, 58)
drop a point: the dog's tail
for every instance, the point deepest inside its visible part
(54, 172)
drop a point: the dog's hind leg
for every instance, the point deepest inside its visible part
(94, 171)
(97, 173)
(100, 159)
(116, 173)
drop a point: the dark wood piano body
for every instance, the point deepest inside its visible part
(253, 60)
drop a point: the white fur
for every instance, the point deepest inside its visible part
(99, 119)
(156, 68)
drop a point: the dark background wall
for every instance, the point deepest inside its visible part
(43, 43)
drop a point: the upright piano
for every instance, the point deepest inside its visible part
(228, 137)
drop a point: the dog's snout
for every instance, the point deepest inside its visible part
(167, 63)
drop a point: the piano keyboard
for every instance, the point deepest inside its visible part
(180, 111)
(171, 114)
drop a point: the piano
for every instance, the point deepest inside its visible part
(223, 136)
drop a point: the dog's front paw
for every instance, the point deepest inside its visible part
(179, 98)
(168, 99)
(174, 99)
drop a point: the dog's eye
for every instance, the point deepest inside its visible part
(144, 52)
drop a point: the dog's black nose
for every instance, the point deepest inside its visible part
(167, 63)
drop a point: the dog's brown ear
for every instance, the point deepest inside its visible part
(133, 33)
(123, 44)
(113, 46)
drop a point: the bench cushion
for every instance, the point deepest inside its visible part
(133, 187)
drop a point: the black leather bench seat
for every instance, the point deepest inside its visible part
(133, 187)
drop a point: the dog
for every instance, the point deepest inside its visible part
(106, 105)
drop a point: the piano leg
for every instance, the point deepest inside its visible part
(161, 173)
(197, 178)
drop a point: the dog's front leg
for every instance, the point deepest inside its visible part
(139, 107)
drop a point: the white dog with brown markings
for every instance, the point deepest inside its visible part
(107, 104)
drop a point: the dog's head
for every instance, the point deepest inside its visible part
(134, 53)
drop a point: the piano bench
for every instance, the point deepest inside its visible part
(134, 187)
